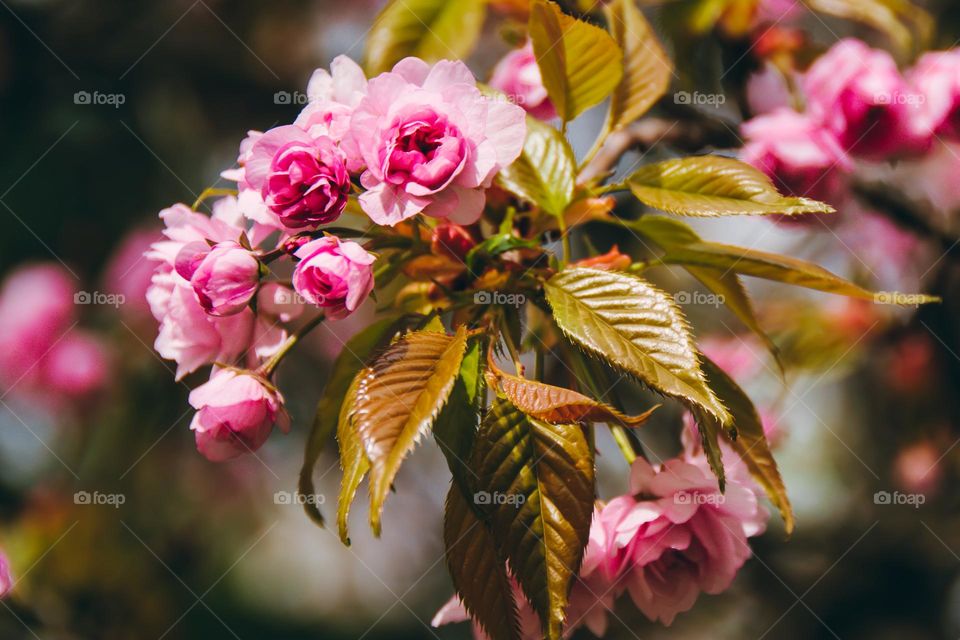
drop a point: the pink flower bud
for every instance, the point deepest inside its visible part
(235, 413)
(224, 278)
(333, 274)
(936, 77)
(302, 179)
(518, 76)
(77, 366)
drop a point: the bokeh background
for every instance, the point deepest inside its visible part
(198, 550)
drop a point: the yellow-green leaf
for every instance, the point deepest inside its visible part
(750, 442)
(556, 404)
(478, 569)
(669, 233)
(351, 359)
(353, 459)
(714, 186)
(545, 171)
(646, 67)
(397, 399)
(579, 62)
(538, 480)
(636, 328)
(772, 266)
(874, 13)
(428, 29)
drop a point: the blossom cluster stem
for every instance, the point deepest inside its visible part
(270, 365)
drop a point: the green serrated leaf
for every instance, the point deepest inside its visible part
(714, 186)
(398, 398)
(636, 328)
(351, 359)
(428, 29)
(647, 69)
(750, 442)
(580, 63)
(544, 173)
(353, 460)
(478, 569)
(540, 481)
(456, 426)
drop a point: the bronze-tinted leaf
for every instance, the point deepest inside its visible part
(397, 399)
(750, 442)
(353, 459)
(556, 404)
(478, 569)
(538, 480)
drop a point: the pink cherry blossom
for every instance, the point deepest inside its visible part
(518, 76)
(858, 94)
(36, 310)
(431, 142)
(6, 576)
(936, 77)
(332, 98)
(676, 535)
(302, 179)
(800, 156)
(129, 273)
(76, 366)
(333, 274)
(225, 277)
(767, 90)
(280, 302)
(236, 412)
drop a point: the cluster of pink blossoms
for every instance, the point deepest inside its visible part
(858, 107)
(418, 139)
(671, 538)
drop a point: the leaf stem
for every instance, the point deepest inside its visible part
(626, 447)
(511, 347)
(267, 368)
